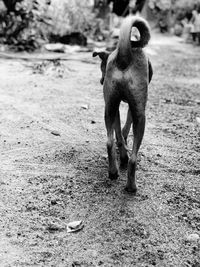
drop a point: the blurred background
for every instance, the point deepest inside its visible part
(26, 25)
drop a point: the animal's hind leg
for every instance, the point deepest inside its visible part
(138, 132)
(120, 141)
(127, 126)
(110, 115)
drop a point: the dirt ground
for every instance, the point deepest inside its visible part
(53, 165)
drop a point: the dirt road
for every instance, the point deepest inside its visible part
(53, 166)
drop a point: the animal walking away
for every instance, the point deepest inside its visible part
(126, 73)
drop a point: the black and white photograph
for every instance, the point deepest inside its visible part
(99, 133)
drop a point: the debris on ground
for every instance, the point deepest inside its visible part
(74, 226)
(60, 48)
(192, 238)
(198, 120)
(56, 133)
(84, 106)
(53, 227)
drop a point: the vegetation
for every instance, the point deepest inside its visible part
(25, 24)
(20, 24)
(183, 7)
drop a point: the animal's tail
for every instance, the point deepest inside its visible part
(125, 44)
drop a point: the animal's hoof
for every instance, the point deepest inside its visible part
(113, 176)
(124, 162)
(131, 190)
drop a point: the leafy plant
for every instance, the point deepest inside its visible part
(72, 16)
(20, 24)
(25, 24)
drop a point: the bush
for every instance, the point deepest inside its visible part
(160, 5)
(71, 16)
(25, 24)
(19, 25)
(183, 8)
(172, 12)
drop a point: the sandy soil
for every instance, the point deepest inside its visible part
(53, 166)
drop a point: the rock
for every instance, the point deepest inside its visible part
(53, 227)
(192, 238)
(76, 264)
(74, 38)
(198, 120)
(53, 202)
(84, 107)
(55, 47)
(104, 156)
(56, 133)
(74, 226)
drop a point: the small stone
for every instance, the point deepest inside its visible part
(53, 227)
(74, 226)
(8, 235)
(166, 100)
(93, 122)
(198, 119)
(55, 47)
(76, 264)
(192, 238)
(56, 133)
(53, 202)
(104, 156)
(84, 107)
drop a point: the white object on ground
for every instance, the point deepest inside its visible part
(74, 226)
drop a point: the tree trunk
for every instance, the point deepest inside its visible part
(10, 5)
(139, 5)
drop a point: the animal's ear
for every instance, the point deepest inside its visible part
(103, 55)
